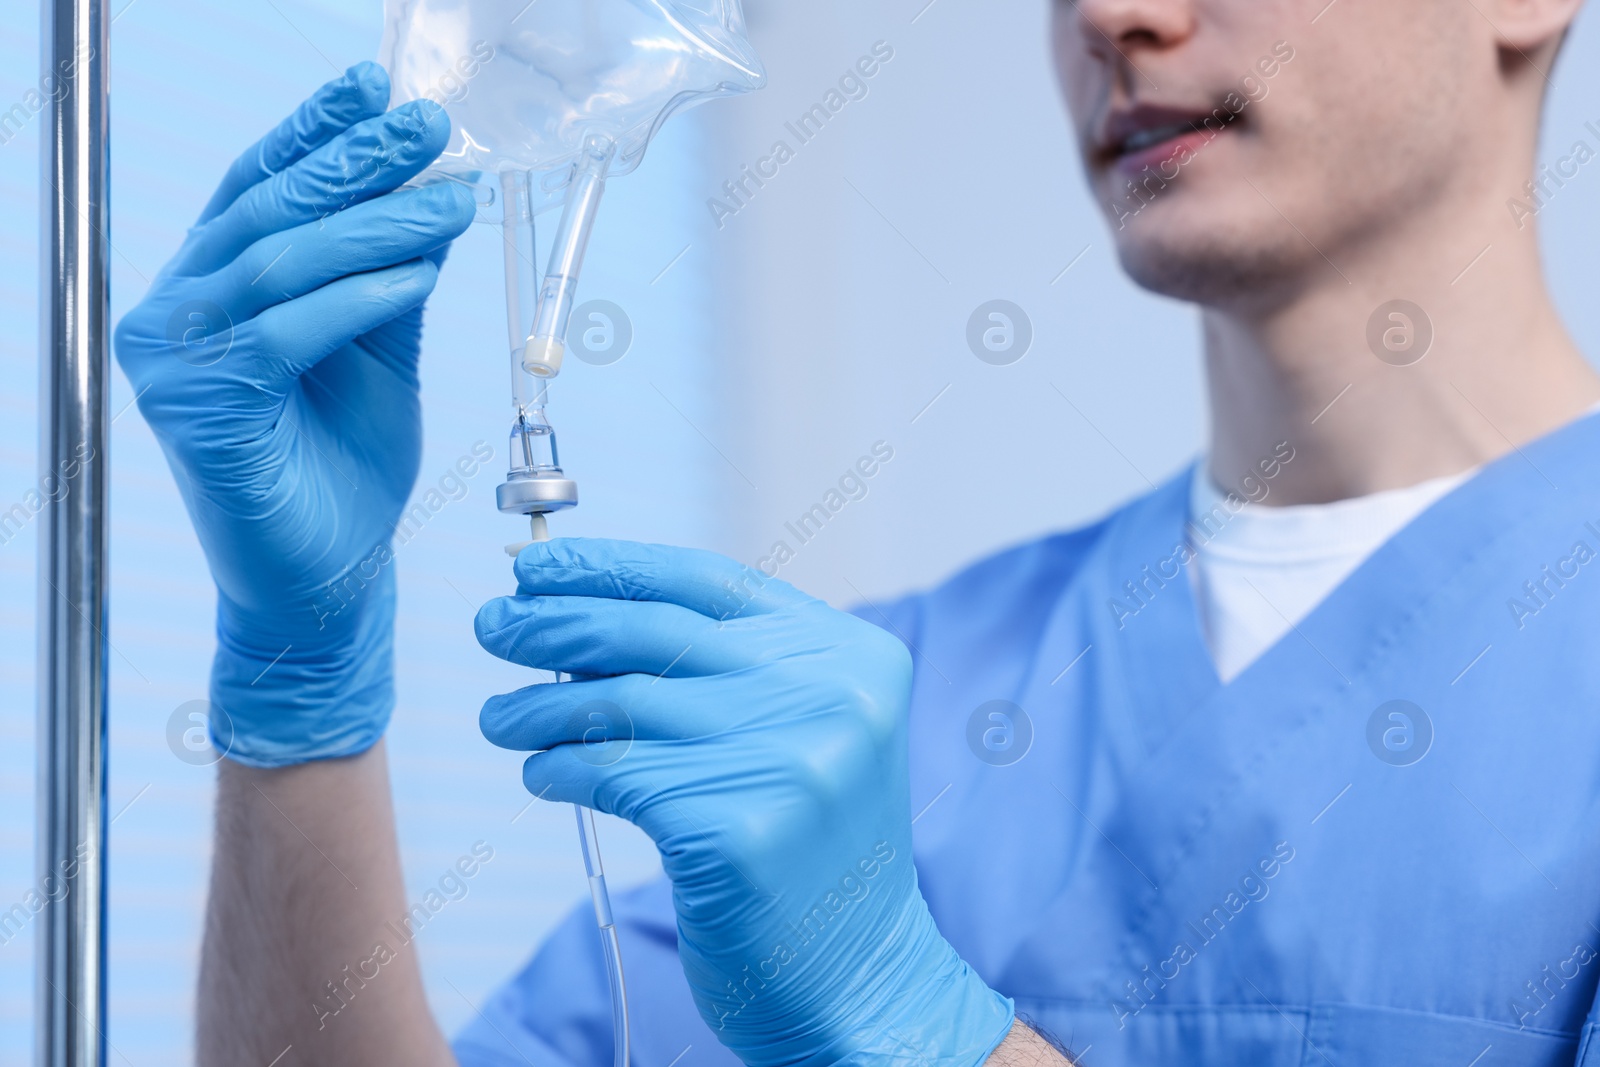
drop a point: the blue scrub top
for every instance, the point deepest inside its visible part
(1277, 870)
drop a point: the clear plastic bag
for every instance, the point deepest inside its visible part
(526, 83)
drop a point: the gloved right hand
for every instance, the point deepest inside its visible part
(760, 738)
(275, 358)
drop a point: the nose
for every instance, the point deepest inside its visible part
(1113, 30)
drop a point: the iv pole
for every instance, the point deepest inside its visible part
(70, 991)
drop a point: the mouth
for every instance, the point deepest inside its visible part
(1132, 139)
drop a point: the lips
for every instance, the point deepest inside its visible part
(1148, 133)
(1138, 142)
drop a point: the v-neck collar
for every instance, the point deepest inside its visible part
(1200, 740)
(1163, 649)
(1188, 777)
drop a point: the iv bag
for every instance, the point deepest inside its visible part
(524, 83)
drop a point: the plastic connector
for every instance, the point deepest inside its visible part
(543, 355)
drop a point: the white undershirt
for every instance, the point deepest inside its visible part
(1259, 570)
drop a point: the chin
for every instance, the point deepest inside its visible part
(1215, 258)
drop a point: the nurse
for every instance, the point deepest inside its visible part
(1293, 760)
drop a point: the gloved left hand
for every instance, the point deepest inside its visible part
(275, 358)
(759, 737)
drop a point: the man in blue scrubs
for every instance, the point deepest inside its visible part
(1294, 760)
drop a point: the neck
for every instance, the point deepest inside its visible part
(1500, 371)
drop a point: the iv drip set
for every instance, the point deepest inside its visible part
(563, 95)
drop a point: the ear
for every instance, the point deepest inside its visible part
(1530, 26)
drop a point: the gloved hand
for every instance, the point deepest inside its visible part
(759, 737)
(275, 357)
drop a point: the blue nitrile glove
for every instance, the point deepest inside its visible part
(759, 737)
(275, 357)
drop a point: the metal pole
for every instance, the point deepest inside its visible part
(71, 990)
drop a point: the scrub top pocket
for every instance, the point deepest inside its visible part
(1346, 1035)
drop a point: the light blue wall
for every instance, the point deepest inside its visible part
(955, 182)
(820, 319)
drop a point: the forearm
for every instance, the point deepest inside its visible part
(1024, 1048)
(297, 961)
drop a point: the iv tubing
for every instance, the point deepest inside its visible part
(532, 443)
(530, 398)
(621, 1035)
(518, 251)
(608, 934)
(547, 343)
